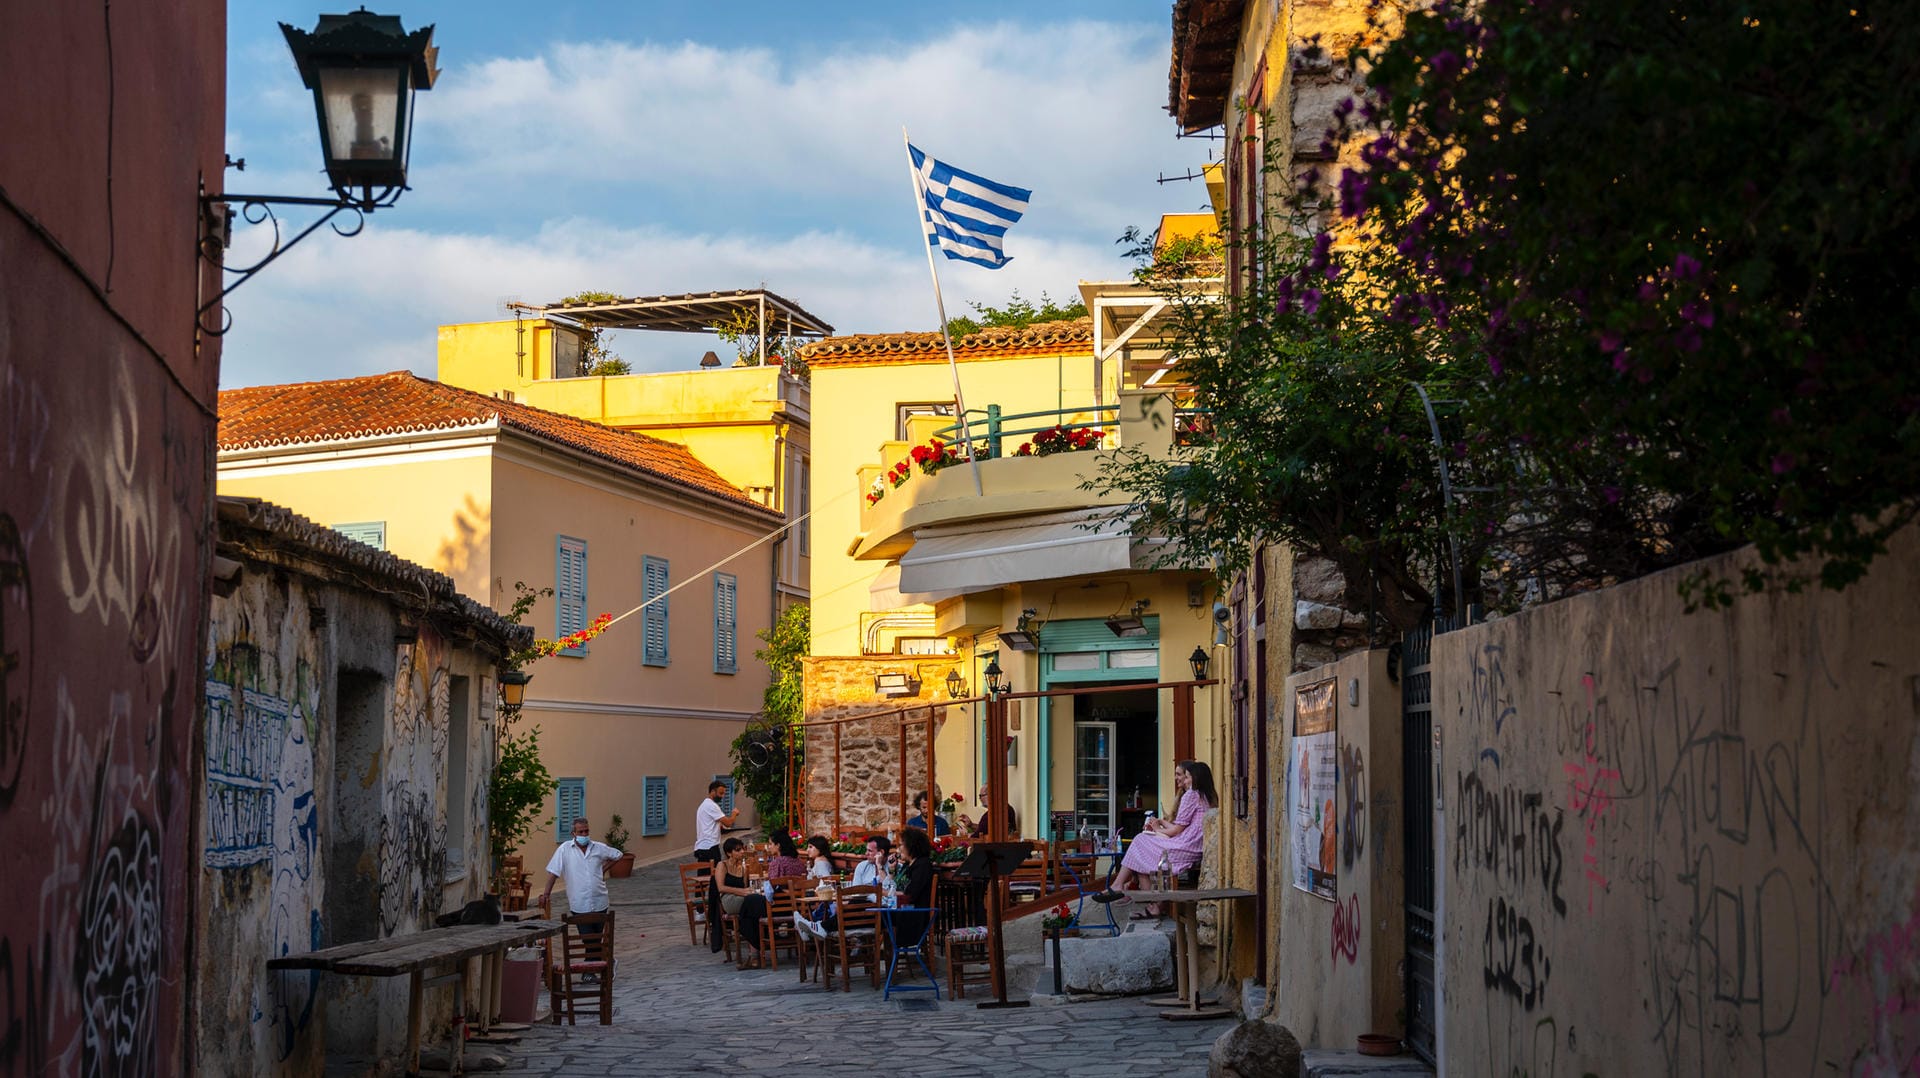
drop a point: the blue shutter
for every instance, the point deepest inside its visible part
(570, 589)
(372, 532)
(653, 805)
(726, 588)
(569, 804)
(653, 586)
(727, 801)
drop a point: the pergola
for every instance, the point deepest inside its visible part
(695, 312)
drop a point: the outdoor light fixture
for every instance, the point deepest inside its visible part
(1130, 624)
(895, 683)
(996, 680)
(1199, 659)
(956, 685)
(513, 687)
(1025, 635)
(363, 70)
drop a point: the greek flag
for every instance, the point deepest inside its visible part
(966, 215)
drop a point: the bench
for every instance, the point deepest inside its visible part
(416, 953)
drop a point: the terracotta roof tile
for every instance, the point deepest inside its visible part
(401, 402)
(1044, 338)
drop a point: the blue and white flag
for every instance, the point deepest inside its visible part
(966, 215)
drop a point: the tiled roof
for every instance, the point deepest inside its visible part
(1067, 335)
(401, 402)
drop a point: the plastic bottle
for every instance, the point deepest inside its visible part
(1166, 873)
(1086, 837)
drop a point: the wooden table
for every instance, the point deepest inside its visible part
(1186, 949)
(418, 952)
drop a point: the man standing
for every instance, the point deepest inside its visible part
(582, 864)
(708, 820)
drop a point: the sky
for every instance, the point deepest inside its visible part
(647, 147)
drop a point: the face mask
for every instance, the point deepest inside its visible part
(582, 840)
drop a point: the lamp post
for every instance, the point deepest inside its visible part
(363, 70)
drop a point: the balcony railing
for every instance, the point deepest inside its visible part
(992, 430)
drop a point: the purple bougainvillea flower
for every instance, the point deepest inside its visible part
(1611, 493)
(1310, 300)
(1685, 267)
(1611, 341)
(1782, 463)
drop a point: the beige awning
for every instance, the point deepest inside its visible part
(957, 559)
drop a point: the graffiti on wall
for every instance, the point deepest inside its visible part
(1352, 770)
(413, 828)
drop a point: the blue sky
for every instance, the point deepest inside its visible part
(647, 147)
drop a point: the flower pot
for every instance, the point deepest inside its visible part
(1378, 1044)
(621, 868)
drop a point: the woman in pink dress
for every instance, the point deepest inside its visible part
(1179, 839)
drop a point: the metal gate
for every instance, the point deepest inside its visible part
(1416, 739)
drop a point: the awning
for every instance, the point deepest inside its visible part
(885, 594)
(963, 558)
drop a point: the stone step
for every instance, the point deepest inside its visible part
(1331, 1063)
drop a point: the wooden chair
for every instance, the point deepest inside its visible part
(513, 884)
(586, 949)
(693, 891)
(969, 957)
(855, 937)
(776, 928)
(1028, 882)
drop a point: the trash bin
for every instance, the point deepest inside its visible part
(520, 984)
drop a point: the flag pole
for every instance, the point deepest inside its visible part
(940, 304)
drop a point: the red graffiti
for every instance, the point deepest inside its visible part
(1590, 796)
(1346, 929)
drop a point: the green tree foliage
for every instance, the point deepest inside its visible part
(1679, 245)
(742, 331)
(760, 752)
(1018, 313)
(520, 785)
(598, 359)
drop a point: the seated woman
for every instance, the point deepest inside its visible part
(1178, 839)
(914, 882)
(940, 825)
(821, 851)
(786, 858)
(872, 871)
(736, 897)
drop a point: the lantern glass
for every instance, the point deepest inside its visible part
(956, 685)
(363, 113)
(1200, 660)
(996, 681)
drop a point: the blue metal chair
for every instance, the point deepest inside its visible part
(913, 949)
(1080, 906)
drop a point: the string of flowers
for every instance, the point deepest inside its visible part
(542, 648)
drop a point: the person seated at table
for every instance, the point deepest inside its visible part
(914, 882)
(786, 858)
(940, 824)
(821, 850)
(873, 869)
(1178, 839)
(979, 830)
(744, 902)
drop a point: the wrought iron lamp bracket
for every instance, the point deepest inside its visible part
(216, 213)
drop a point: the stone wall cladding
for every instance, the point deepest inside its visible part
(866, 779)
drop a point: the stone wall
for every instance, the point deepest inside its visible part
(1684, 843)
(856, 767)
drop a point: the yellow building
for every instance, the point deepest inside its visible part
(493, 493)
(1024, 571)
(749, 422)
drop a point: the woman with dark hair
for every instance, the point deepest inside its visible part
(735, 896)
(820, 849)
(1177, 840)
(914, 882)
(786, 858)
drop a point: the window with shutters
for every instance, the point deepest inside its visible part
(569, 804)
(806, 507)
(570, 589)
(653, 805)
(727, 781)
(726, 589)
(371, 532)
(653, 616)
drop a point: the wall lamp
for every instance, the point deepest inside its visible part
(896, 683)
(1132, 623)
(1199, 660)
(363, 70)
(956, 685)
(1025, 635)
(996, 678)
(513, 688)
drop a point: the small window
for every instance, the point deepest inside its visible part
(921, 645)
(726, 589)
(371, 532)
(806, 507)
(570, 589)
(727, 781)
(653, 592)
(907, 410)
(1077, 660)
(653, 810)
(1132, 660)
(569, 804)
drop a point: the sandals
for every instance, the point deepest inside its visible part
(1110, 895)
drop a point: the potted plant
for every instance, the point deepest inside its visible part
(617, 838)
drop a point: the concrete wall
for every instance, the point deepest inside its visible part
(1684, 843)
(345, 799)
(1340, 971)
(112, 117)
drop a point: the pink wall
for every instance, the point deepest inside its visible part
(106, 431)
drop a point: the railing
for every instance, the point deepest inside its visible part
(991, 429)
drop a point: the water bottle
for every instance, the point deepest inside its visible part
(1166, 873)
(1086, 837)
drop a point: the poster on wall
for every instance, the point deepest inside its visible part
(1316, 842)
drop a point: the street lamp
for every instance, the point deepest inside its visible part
(996, 680)
(956, 685)
(363, 70)
(513, 687)
(1199, 659)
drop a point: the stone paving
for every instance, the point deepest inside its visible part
(679, 1009)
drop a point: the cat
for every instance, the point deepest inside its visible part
(481, 911)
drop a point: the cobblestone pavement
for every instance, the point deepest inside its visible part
(679, 1009)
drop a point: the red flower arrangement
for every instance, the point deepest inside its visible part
(1059, 439)
(576, 639)
(900, 473)
(935, 455)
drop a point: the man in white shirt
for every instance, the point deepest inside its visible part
(708, 819)
(582, 864)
